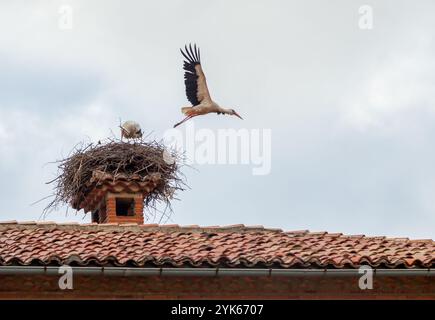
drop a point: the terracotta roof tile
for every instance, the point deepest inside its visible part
(9, 222)
(231, 246)
(27, 222)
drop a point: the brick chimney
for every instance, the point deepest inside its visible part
(117, 198)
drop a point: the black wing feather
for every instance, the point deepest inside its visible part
(188, 53)
(190, 76)
(197, 54)
(192, 53)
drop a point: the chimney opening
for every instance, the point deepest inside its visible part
(96, 216)
(125, 207)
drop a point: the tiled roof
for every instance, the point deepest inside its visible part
(49, 243)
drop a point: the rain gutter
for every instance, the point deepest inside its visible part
(209, 272)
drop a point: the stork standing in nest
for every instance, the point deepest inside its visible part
(196, 88)
(130, 130)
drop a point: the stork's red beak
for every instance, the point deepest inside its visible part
(237, 115)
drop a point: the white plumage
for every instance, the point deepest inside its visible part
(131, 130)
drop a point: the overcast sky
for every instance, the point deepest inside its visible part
(351, 111)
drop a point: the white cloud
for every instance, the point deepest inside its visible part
(403, 80)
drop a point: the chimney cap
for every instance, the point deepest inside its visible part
(103, 183)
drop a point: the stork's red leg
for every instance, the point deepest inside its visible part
(184, 120)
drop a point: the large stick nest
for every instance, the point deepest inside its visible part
(138, 158)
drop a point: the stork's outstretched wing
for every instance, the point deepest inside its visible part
(194, 78)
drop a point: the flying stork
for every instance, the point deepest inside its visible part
(196, 88)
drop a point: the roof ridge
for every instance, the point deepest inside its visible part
(192, 228)
(135, 226)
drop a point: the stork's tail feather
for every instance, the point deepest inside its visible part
(185, 110)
